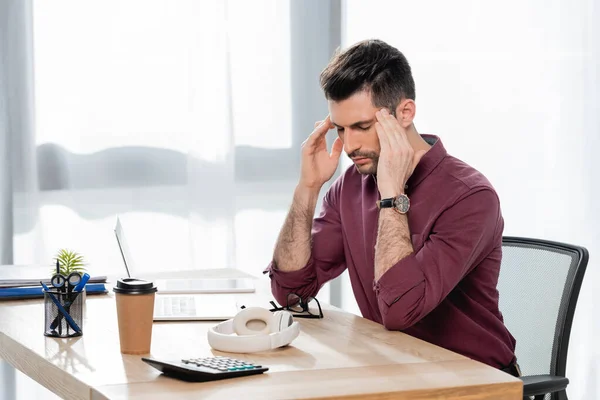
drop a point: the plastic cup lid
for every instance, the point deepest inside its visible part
(134, 286)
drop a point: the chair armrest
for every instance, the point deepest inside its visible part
(542, 384)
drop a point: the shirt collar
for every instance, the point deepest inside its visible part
(428, 162)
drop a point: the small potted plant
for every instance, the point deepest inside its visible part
(68, 261)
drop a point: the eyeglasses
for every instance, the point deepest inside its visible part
(300, 308)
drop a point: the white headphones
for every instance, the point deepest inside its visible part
(256, 329)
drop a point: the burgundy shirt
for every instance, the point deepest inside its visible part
(445, 292)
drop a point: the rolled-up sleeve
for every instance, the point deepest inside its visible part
(461, 237)
(327, 255)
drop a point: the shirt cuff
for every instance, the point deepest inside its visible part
(399, 280)
(292, 279)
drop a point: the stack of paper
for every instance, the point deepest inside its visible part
(23, 282)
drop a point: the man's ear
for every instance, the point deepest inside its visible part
(405, 112)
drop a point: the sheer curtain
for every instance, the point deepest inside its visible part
(512, 88)
(175, 116)
(135, 116)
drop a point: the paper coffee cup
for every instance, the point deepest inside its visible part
(135, 311)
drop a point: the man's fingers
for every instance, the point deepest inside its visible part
(336, 148)
(393, 127)
(320, 130)
(323, 126)
(398, 130)
(317, 124)
(386, 128)
(384, 140)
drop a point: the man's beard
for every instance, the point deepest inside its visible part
(370, 169)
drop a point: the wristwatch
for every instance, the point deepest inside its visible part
(400, 203)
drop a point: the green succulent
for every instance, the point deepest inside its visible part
(69, 261)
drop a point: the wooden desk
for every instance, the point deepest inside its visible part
(341, 355)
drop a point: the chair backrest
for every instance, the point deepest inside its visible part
(539, 285)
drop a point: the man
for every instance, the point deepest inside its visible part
(419, 231)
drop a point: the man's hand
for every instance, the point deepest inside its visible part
(318, 165)
(397, 157)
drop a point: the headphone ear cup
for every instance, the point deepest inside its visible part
(282, 320)
(253, 321)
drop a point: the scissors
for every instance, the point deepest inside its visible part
(63, 283)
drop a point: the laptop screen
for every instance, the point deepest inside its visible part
(127, 259)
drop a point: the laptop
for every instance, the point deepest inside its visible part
(183, 284)
(181, 306)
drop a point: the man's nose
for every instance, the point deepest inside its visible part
(350, 142)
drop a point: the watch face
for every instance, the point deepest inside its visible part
(402, 203)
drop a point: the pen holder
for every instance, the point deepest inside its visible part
(63, 313)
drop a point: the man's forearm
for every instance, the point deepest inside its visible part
(393, 241)
(293, 247)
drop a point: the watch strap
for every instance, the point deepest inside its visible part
(386, 203)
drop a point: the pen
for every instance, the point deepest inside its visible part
(84, 279)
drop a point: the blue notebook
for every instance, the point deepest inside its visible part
(33, 292)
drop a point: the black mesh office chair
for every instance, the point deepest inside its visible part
(539, 284)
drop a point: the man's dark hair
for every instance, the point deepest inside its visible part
(370, 65)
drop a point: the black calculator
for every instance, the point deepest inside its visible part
(205, 369)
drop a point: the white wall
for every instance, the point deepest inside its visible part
(511, 88)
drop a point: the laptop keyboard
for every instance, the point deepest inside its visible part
(171, 306)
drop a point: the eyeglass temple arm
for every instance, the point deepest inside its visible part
(275, 307)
